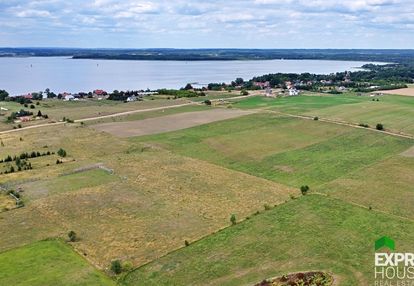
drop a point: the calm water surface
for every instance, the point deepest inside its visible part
(22, 75)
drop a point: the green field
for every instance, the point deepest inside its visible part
(172, 189)
(299, 104)
(286, 150)
(67, 183)
(48, 263)
(313, 232)
(386, 185)
(395, 112)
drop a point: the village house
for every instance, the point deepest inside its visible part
(293, 91)
(25, 118)
(68, 97)
(99, 93)
(262, 85)
(132, 98)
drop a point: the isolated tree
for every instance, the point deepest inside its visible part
(116, 267)
(233, 219)
(61, 152)
(380, 127)
(39, 114)
(304, 189)
(72, 236)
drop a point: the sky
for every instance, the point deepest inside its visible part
(207, 24)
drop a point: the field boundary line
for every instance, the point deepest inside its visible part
(362, 206)
(343, 123)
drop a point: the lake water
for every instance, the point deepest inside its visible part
(23, 75)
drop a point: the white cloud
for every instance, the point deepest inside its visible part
(310, 23)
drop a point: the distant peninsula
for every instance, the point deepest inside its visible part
(383, 55)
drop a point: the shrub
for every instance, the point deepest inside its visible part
(207, 102)
(244, 92)
(304, 189)
(316, 118)
(72, 236)
(267, 207)
(363, 125)
(380, 127)
(233, 219)
(116, 267)
(127, 266)
(186, 243)
(61, 152)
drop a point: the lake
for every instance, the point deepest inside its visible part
(60, 74)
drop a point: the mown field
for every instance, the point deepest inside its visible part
(49, 262)
(291, 151)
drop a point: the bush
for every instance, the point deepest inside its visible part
(380, 127)
(267, 207)
(233, 219)
(127, 266)
(364, 125)
(207, 102)
(244, 92)
(72, 236)
(316, 118)
(304, 189)
(186, 243)
(61, 152)
(116, 267)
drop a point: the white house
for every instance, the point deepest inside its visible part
(293, 92)
(131, 98)
(69, 97)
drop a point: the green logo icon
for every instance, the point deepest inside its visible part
(385, 242)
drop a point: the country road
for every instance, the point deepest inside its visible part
(118, 114)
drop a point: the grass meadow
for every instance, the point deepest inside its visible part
(285, 150)
(311, 233)
(180, 186)
(50, 262)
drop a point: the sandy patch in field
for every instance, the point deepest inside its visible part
(168, 123)
(402, 91)
(408, 153)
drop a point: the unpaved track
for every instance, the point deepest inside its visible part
(402, 135)
(119, 114)
(169, 122)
